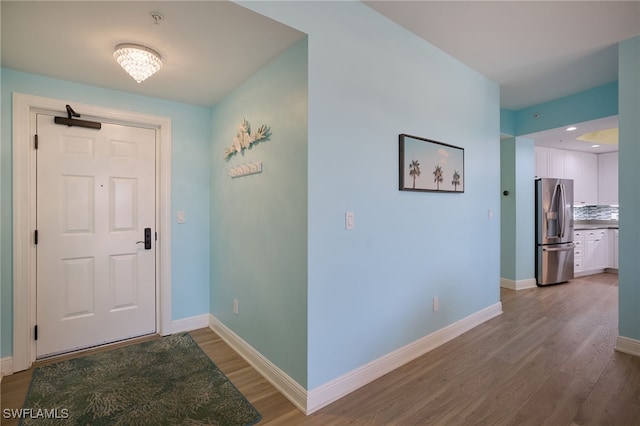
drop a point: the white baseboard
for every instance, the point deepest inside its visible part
(191, 323)
(311, 401)
(589, 272)
(518, 285)
(293, 391)
(349, 382)
(628, 346)
(6, 366)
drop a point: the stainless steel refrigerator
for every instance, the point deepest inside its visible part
(554, 230)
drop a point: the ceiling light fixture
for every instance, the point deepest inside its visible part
(571, 129)
(595, 146)
(138, 61)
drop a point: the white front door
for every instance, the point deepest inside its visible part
(95, 197)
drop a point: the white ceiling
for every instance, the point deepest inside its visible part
(207, 47)
(536, 50)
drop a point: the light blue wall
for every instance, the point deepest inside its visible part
(508, 209)
(508, 122)
(190, 186)
(629, 188)
(517, 213)
(259, 222)
(370, 289)
(525, 218)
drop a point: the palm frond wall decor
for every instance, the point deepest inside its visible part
(244, 139)
(444, 165)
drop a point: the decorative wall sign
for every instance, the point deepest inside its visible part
(244, 138)
(427, 165)
(245, 169)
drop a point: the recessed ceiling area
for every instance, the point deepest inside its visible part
(602, 132)
(605, 136)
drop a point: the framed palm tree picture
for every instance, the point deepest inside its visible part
(428, 165)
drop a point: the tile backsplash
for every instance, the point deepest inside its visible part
(595, 213)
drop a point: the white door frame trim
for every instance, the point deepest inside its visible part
(24, 215)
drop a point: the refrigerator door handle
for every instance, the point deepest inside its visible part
(566, 248)
(561, 219)
(554, 214)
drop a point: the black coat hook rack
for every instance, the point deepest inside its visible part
(69, 121)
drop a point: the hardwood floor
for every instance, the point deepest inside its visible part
(549, 359)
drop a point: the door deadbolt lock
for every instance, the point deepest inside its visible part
(147, 239)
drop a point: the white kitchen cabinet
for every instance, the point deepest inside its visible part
(611, 249)
(582, 167)
(596, 250)
(578, 251)
(550, 162)
(542, 161)
(615, 246)
(557, 167)
(608, 178)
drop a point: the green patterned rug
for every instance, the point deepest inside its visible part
(166, 381)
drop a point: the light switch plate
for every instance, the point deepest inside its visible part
(349, 220)
(181, 216)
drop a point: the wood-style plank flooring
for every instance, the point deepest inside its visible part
(548, 360)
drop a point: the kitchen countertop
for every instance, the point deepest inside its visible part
(579, 225)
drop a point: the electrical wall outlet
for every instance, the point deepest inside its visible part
(436, 303)
(235, 307)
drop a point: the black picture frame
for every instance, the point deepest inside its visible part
(430, 166)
